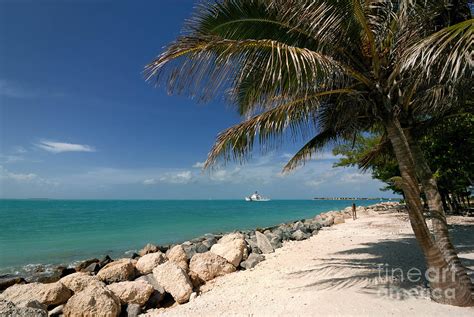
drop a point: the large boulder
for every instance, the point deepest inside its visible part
(9, 309)
(178, 256)
(252, 261)
(174, 280)
(263, 243)
(79, 281)
(339, 219)
(46, 294)
(233, 250)
(117, 271)
(230, 237)
(209, 265)
(148, 262)
(134, 292)
(149, 248)
(93, 301)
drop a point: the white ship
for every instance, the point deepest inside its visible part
(256, 197)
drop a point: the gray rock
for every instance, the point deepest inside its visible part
(133, 310)
(149, 248)
(276, 242)
(252, 261)
(189, 249)
(9, 309)
(263, 243)
(8, 280)
(299, 235)
(56, 311)
(209, 242)
(201, 247)
(150, 279)
(85, 264)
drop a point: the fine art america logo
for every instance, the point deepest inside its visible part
(414, 282)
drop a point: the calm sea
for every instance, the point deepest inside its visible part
(64, 231)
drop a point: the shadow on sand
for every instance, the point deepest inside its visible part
(381, 268)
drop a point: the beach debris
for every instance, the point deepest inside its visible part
(231, 249)
(208, 265)
(79, 281)
(47, 294)
(93, 301)
(148, 262)
(132, 292)
(117, 271)
(252, 261)
(263, 243)
(174, 280)
(7, 308)
(177, 255)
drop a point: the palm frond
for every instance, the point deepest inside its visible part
(446, 54)
(297, 116)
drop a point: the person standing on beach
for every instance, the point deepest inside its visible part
(354, 213)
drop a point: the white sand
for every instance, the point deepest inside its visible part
(332, 274)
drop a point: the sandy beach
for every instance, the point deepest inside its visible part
(334, 273)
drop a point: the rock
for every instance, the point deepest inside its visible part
(92, 268)
(298, 226)
(117, 271)
(149, 248)
(276, 242)
(339, 219)
(252, 261)
(230, 237)
(8, 280)
(148, 262)
(193, 296)
(9, 309)
(58, 310)
(174, 280)
(189, 249)
(209, 242)
(209, 265)
(79, 281)
(134, 292)
(231, 250)
(201, 247)
(263, 243)
(299, 235)
(93, 301)
(178, 256)
(159, 292)
(106, 260)
(85, 264)
(133, 310)
(47, 294)
(150, 279)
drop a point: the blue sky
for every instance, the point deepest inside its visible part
(77, 119)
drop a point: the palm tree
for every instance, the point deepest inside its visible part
(282, 61)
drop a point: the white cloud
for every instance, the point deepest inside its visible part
(60, 147)
(11, 158)
(150, 181)
(30, 178)
(184, 177)
(19, 150)
(355, 177)
(198, 165)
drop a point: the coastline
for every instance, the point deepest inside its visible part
(44, 247)
(326, 264)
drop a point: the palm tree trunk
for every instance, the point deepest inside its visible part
(445, 286)
(435, 205)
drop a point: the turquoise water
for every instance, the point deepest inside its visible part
(63, 231)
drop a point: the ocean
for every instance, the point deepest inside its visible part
(60, 232)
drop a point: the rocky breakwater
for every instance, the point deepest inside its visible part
(161, 276)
